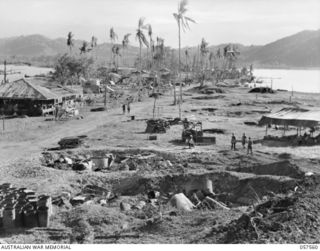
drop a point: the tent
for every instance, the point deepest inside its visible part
(292, 117)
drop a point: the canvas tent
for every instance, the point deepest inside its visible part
(292, 117)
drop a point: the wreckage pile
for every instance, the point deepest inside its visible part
(65, 161)
(20, 207)
(160, 125)
(71, 142)
(157, 126)
(105, 162)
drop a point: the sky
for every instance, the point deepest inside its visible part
(248, 22)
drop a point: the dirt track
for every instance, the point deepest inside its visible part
(238, 177)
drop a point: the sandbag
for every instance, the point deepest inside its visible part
(181, 202)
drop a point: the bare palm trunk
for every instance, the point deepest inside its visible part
(154, 106)
(180, 100)
(140, 77)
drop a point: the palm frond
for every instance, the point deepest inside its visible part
(149, 30)
(190, 20)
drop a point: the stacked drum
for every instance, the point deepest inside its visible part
(20, 207)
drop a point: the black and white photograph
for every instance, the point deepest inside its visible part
(159, 122)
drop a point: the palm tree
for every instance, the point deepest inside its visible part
(70, 41)
(113, 37)
(125, 42)
(183, 23)
(116, 54)
(151, 43)
(203, 52)
(142, 41)
(94, 42)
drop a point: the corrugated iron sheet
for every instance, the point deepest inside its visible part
(292, 117)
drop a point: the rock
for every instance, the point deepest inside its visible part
(103, 202)
(68, 160)
(140, 205)
(153, 194)
(66, 195)
(125, 206)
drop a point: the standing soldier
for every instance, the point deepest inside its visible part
(244, 139)
(249, 146)
(191, 141)
(128, 107)
(124, 108)
(233, 142)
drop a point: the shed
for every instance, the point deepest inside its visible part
(292, 117)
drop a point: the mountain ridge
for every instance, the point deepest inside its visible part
(298, 50)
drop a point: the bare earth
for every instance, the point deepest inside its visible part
(232, 173)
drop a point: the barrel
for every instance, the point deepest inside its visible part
(208, 186)
(19, 216)
(9, 216)
(1, 217)
(100, 163)
(30, 218)
(45, 201)
(43, 216)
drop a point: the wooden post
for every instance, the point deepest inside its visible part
(266, 129)
(105, 96)
(3, 124)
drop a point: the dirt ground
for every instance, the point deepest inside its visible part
(241, 181)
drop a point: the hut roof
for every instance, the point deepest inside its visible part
(35, 89)
(293, 117)
(23, 89)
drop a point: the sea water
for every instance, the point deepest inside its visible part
(287, 79)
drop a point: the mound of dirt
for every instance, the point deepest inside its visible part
(209, 97)
(206, 90)
(281, 168)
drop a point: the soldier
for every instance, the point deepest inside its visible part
(191, 141)
(233, 142)
(128, 108)
(244, 139)
(124, 108)
(249, 146)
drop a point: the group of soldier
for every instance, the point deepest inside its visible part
(244, 141)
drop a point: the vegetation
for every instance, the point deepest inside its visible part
(68, 69)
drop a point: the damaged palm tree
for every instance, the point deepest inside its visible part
(203, 53)
(125, 43)
(140, 36)
(70, 41)
(183, 23)
(113, 38)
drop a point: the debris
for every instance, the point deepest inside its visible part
(157, 126)
(70, 142)
(140, 205)
(153, 194)
(125, 206)
(77, 200)
(98, 109)
(181, 202)
(308, 174)
(214, 203)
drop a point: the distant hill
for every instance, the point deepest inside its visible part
(299, 50)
